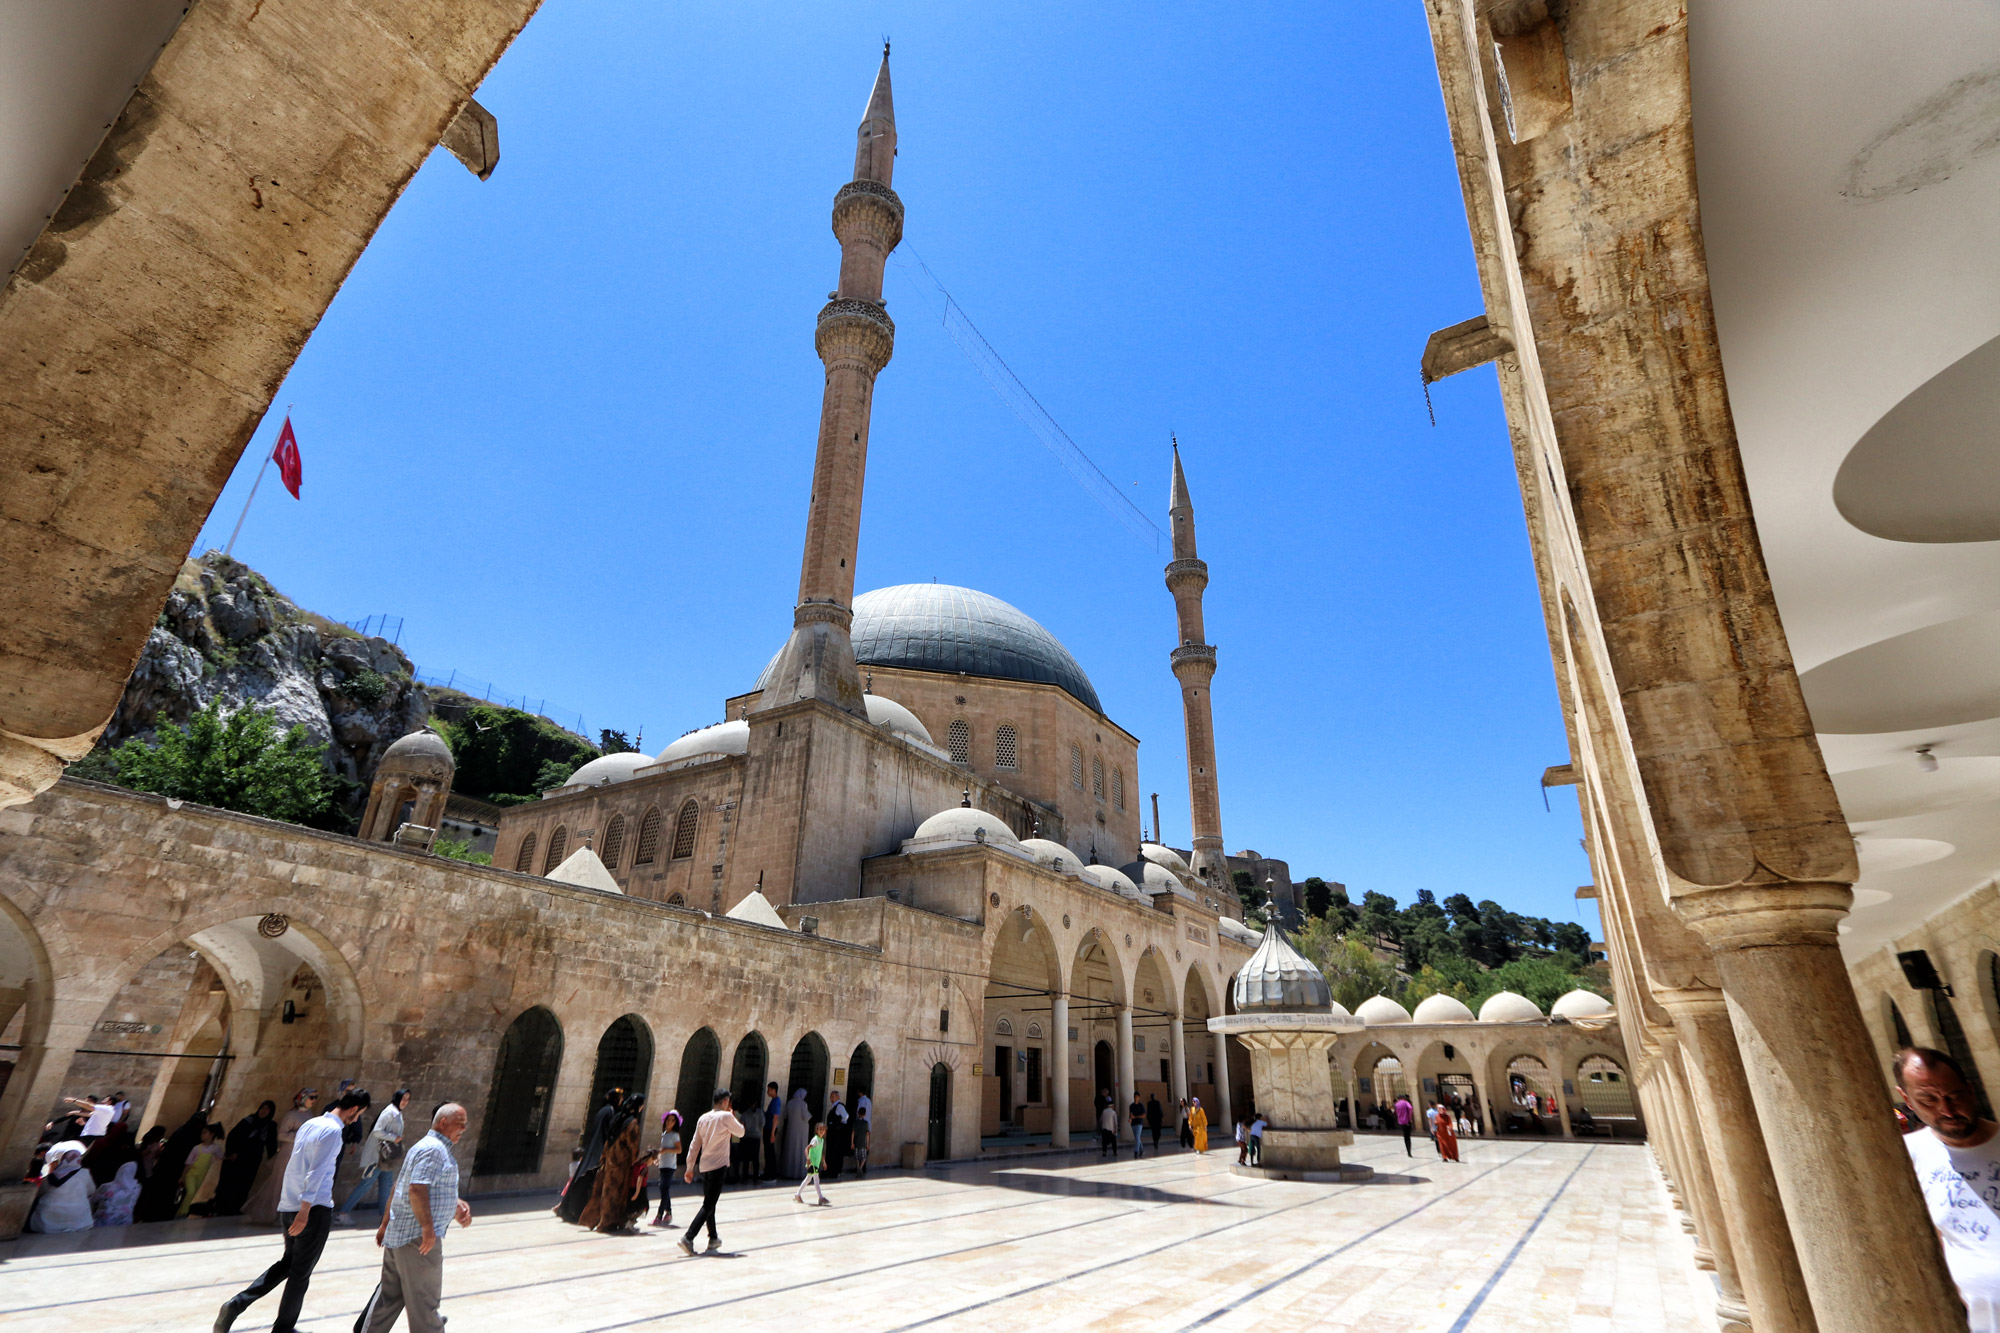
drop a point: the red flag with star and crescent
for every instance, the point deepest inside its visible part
(286, 456)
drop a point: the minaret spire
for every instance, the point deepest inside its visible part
(855, 339)
(1194, 666)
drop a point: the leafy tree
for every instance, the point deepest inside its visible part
(1570, 938)
(1462, 912)
(1318, 897)
(554, 773)
(615, 742)
(1351, 967)
(1379, 918)
(456, 849)
(237, 761)
(502, 753)
(1542, 980)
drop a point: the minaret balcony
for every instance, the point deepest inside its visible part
(868, 210)
(851, 329)
(1191, 575)
(1198, 658)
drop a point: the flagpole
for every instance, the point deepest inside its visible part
(238, 531)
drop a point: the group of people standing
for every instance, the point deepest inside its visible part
(1144, 1121)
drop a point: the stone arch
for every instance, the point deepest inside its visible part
(1023, 974)
(810, 1069)
(514, 1131)
(861, 1075)
(750, 1070)
(1522, 1073)
(27, 1003)
(1371, 1091)
(1605, 1095)
(1156, 1003)
(624, 1060)
(701, 1060)
(1433, 1067)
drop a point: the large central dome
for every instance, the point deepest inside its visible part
(937, 627)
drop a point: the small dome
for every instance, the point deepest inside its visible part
(722, 738)
(1165, 856)
(961, 826)
(1507, 1007)
(1106, 877)
(1279, 979)
(1442, 1009)
(608, 768)
(1242, 934)
(1581, 1004)
(892, 716)
(1154, 879)
(1338, 1010)
(1380, 1011)
(1053, 854)
(423, 753)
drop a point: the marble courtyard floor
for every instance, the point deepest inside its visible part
(1524, 1235)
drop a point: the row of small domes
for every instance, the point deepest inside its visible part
(729, 738)
(1505, 1007)
(1158, 869)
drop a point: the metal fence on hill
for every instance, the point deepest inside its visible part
(562, 716)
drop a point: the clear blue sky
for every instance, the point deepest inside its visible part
(562, 421)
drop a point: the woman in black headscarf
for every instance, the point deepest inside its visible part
(618, 1199)
(576, 1196)
(254, 1140)
(162, 1191)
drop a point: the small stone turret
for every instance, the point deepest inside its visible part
(406, 804)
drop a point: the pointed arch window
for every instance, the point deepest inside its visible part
(1006, 747)
(649, 837)
(1076, 767)
(960, 741)
(525, 862)
(1097, 778)
(614, 841)
(1118, 787)
(558, 844)
(684, 830)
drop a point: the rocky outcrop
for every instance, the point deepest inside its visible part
(226, 633)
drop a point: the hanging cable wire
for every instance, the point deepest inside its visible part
(1004, 382)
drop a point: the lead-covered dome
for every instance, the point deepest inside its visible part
(609, 768)
(1280, 979)
(938, 627)
(892, 716)
(960, 826)
(722, 738)
(1442, 1009)
(422, 753)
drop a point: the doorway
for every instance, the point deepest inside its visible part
(624, 1060)
(938, 1142)
(1106, 1070)
(1003, 1065)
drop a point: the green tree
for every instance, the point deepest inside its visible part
(1543, 980)
(1570, 938)
(1351, 967)
(615, 742)
(1380, 919)
(455, 849)
(1318, 897)
(501, 753)
(237, 761)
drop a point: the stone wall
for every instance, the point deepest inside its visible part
(1963, 941)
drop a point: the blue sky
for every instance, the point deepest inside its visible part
(562, 421)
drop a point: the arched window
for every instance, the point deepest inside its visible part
(809, 1070)
(624, 1060)
(525, 862)
(614, 841)
(684, 829)
(1006, 747)
(1118, 787)
(1097, 778)
(1606, 1093)
(937, 1139)
(749, 1072)
(861, 1076)
(960, 742)
(517, 1108)
(701, 1062)
(558, 844)
(1076, 767)
(677, 900)
(649, 838)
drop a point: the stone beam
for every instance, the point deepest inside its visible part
(144, 334)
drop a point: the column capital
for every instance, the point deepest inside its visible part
(1768, 915)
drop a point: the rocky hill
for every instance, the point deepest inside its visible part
(226, 633)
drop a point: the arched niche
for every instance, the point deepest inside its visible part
(810, 1068)
(624, 1059)
(514, 1130)
(701, 1061)
(750, 1071)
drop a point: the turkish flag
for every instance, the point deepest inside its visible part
(286, 456)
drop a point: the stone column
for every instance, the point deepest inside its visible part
(1124, 1062)
(1553, 1055)
(1773, 1287)
(1714, 1230)
(1859, 1225)
(1479, 1088)
(1059, 1058)
(1227, 1122)
(1177, 1037)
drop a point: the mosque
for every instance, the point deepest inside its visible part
(906, 863)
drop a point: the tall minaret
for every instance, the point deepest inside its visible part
(855, 340)
(1194, 667)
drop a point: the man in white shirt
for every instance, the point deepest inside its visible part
(708, 1157)
(1957, 1160)
(98, 1117)
(305, 1210)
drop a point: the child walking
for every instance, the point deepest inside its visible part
(815, 1156)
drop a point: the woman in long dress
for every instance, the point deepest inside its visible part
(248, 1147)
(1447, 1134)
(203, 1171)
(611, 1207)
(263, 1205)
(798, 1131)
(162, 1190)
(1198, 1122)
(63, 1203)
(111, 1206)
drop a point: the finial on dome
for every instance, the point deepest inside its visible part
(868, 685)
(965, 799)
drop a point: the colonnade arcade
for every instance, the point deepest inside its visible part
(1488, 1068)
(1064, 1027)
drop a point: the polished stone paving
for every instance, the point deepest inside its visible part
(1524, 1235)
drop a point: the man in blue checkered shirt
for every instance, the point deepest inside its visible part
(412, 1231)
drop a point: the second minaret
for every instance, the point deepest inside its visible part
(1194, 666)
(855, 339)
